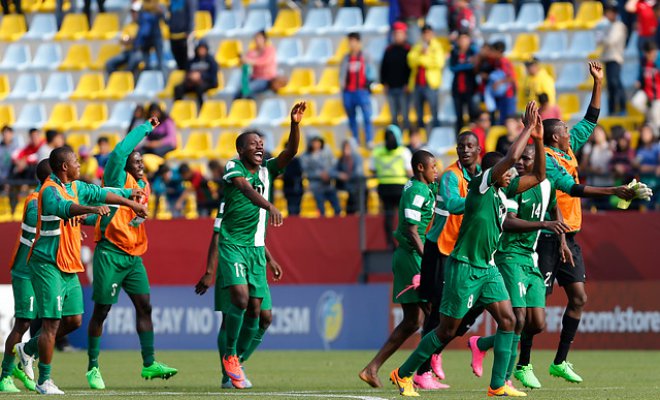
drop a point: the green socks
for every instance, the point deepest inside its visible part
(427, 347)
(7, 365)
(44, 373)
(93, 349)
(248, 331)
(233, 323)
(147, 347)
(513, 357)
(256, 341)
(486, 342)
(32, 346)
(502, 356)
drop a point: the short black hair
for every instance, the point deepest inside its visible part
(51, 134)
(420, 157)
(184, 168)
(475, 116)
(103, 139)
(32, 130)
(498, 46)
(490, 159)
(549, 126)
(543, 98)
(7, 128)
(354, 35)
(214, 164)
(242, 138)
(427, 27)
(649, 46)
(610, 7)
(58, 157)
(466, 134)
(260, 33)
(43, 170)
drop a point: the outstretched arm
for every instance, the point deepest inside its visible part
(139, 209)
(291, 149)
(584, 191)
(517, 148)
(538, 173)
(114, 173)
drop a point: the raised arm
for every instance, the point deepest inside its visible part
(517, 148)
(631, 6)
(538, 173)
(114, 173)
(291, 149)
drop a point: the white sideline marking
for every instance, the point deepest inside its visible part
(231, 393)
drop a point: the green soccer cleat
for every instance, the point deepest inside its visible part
(7, 385)
(19, 374)
(158, 370)
(525, 374)
(565, 370)
(95, 379)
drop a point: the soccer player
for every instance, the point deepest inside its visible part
(54, 260)
(121, 239)
(22, 288)
(415, 213)
(517, 261)
(242, 258)
(471, 278)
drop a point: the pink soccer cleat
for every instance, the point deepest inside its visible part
(477, 356)
(428, 382)
(436, 366)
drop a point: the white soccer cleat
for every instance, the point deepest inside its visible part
(25, 360)
(48, 387)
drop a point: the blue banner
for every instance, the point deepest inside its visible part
(304, 317)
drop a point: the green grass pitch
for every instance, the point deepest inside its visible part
(333, 375)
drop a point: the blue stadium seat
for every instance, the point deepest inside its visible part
(120, 117)
(32, 115)
(26, 87)
(289, 51)
(149, 84)
(43, 27)
(629, 74)
(582, 44)
(348, 19)
(377, 20)
(47, 58)
(16, 57)
(570, 76)
(631, 49)
(447, 80)
(272, 113)
(500, 18)
(317, 20)
(530, 16)
(375, 49)
(447, 111)
(232, 84)
(554, 46)
(437, 18)
(227, 22)
(319, 51)
(116, 5)
(442, 139)
(256, 20)
(59, 86)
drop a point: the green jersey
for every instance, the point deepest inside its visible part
(243, 223)
(530, 205)
(481, 229)
(18, 266)
(415, 208)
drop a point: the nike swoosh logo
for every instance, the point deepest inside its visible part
(525, 201)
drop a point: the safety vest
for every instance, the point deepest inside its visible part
(27, 234)
(449, 234)
(122, 230)
(68, 235)
(390, 166)
(570, 207)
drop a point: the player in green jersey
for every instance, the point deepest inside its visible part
(242, 259)
(471, 278)
(415, 213)
(24, 307)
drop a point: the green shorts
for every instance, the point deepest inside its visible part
(24, 306)
(113, 270)
(524, 283)
(223, 299)
(405, 265)
(57, 293)
(467, 286)
(239, 265)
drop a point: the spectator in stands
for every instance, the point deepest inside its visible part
(623, 156)
(318, 164)
(262, 61)
(411, 12)
(546, 109)
(162, 139)
(5, 7)
(391, 166)
(349, 172)
(25, 160)
(149, 35)
(647, 99)
(647, 22)
(596, 157)
(464, 84)
(129, 57)
(416, 141)
(54, 140)
(480, 125)
(426, 60)
(394, 75)
(514, 127)
(614, 45)
(103, 145)
(209, 5)
(217, 170)
(356, 73)
(8, 146)
(168, 183)
(138, 118)
(201, 74)
(293, 186)
(198, 186)
(89, 167)
(502, 83)
(182, 24)
(647, 160)
(461, 19)
(538, 81)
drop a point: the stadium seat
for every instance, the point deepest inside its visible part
(16, 57)
(226, 23)
(570, 76)
(149, 84)
(218, 89)
(59, 86)
(77, 140)
(241, 113)
(105, 27)
(302, 145)
(289, 51)
(78, 58)
(310, 112)
(272, 112)
(229, 53)
(340, 52)
(106, 52)
(5, 88)
(442, 139)
(42, 28)
(447, 111)
(199, 143)
(554, 46)
(32, 115)
(317, 20)
(232, 85)
(256, 20)
(74, 27)
(88, 87)
(183, 113)
(332, 114)
(589, 15)
(583, 44)
(447, 80)
(225, 148)
(525, 46)
(494, 133)
(348, 19)
(569, 104)
(175, 78)
(203, 24)
(319, 51)
(62, 118)
(550, 69)
(120, 116)
(30, 6)
(7, 114)
(328, 83)
(117, 5)
(301, 81)
(632, 52)
(530, 17)
(94, 115)
(500, 18)
(120, 84)
(559, 16)
(26, 87)
(287, 23)
(630, 74)
(210, 115)
(384, 116)
(164, 29)
(377, 21)
(12, 27)
(375, 48)
(48, 57)
(437, 18)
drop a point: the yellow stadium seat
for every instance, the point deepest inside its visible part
(164, 30)
(74, 27)
(384, 117)
(106, 52)
(203, 24)
(12, 27)
(30, 6)
(88, 86)
(152, 162)
(4, 86)
(175, 78)
(199, 143)
(63, 117)
(284, 137)
(340, 52)
(493, 135)
(310, 112)
(221, 85)
(588, 16)
(328, 83)
(183, 113)
(560, 16)
(332, 113)
(550, 69)
(119, 85)
(228, 54)
(525, 46)
(94, 115)
(569, 104)
(287, 23)
(241, 113)
(301, 81)
(78, 58)
(105, 26)
(129, 30)
(210, 115)
(48, 6)
(331, 142)
(7, 116)
(226, 146)
(76, 140)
